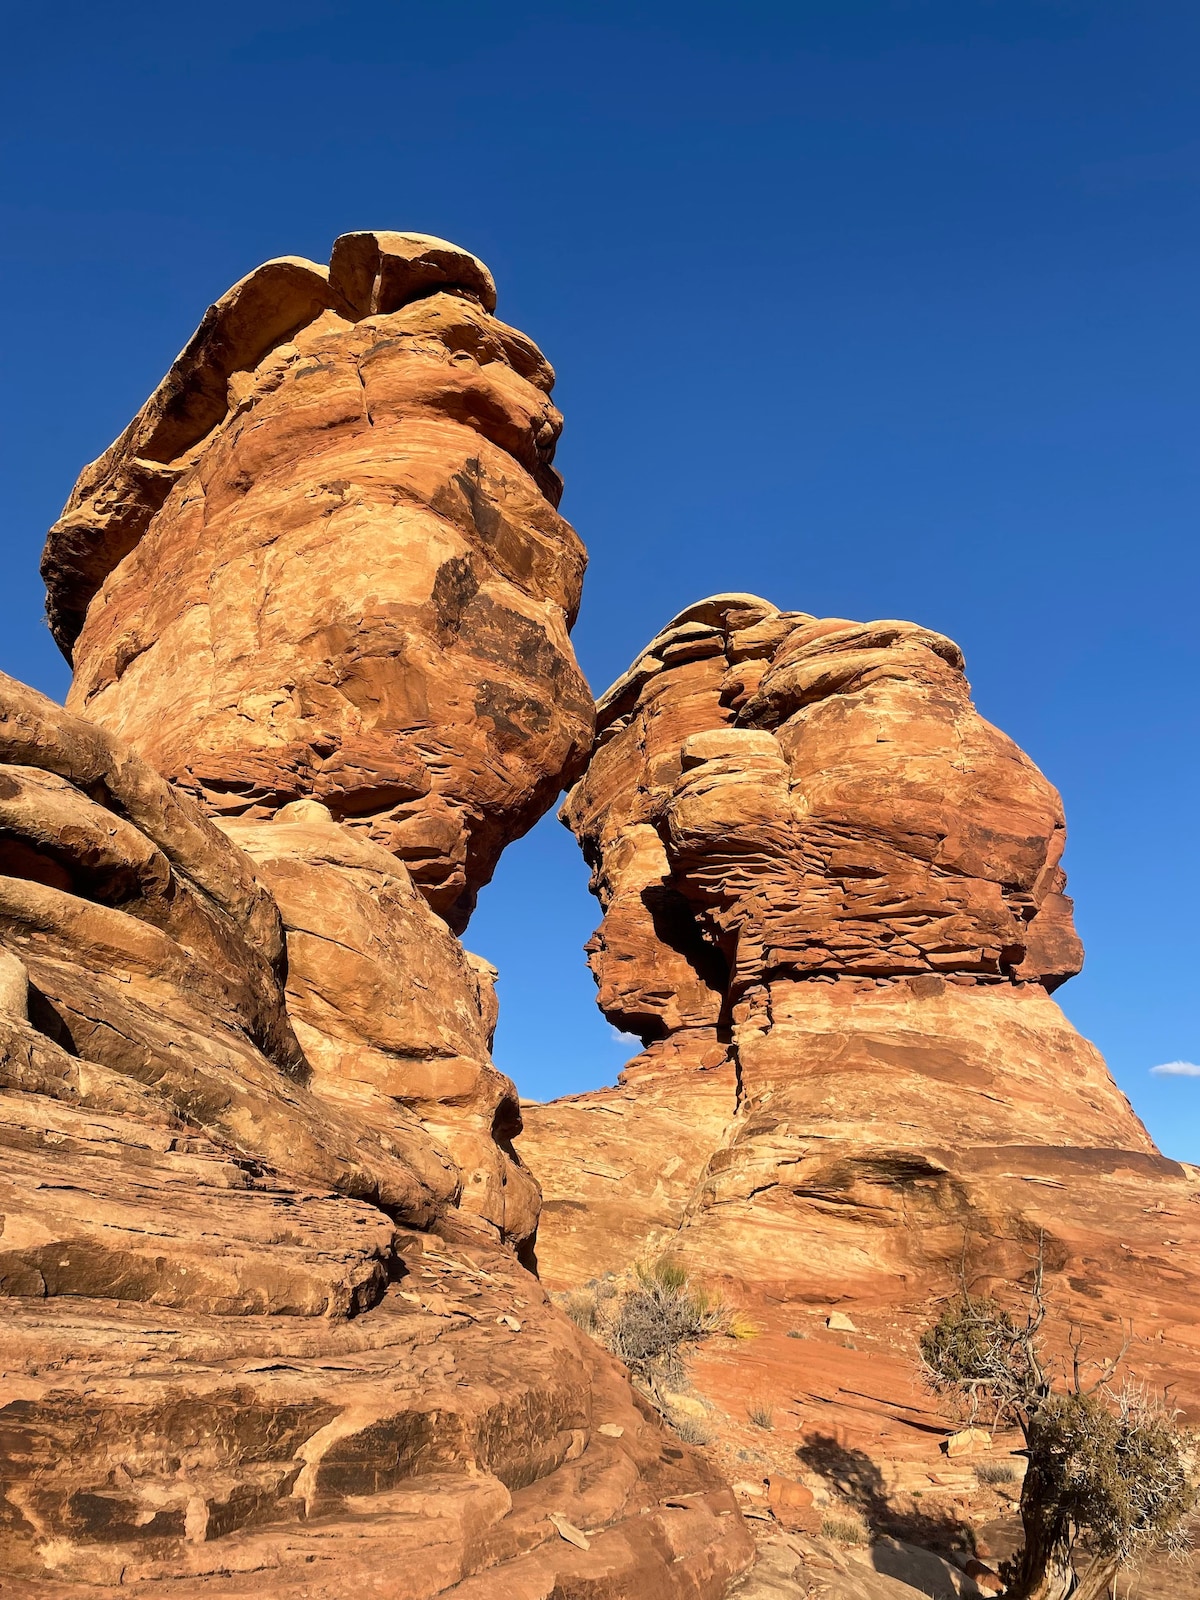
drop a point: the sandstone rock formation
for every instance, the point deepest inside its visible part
(834, 913)
(328, 537)
(262, 1317)
(390, 1010)
(265, 1318)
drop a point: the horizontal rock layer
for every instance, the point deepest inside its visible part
(256, 1311)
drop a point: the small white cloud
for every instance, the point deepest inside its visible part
(629, 1040)
(1176, 1069)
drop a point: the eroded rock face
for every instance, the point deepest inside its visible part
(246, 1326)
(152, 952)
(834, 912)
(390, 1010)
(262, 1314)
(326, 540)
(774, 796)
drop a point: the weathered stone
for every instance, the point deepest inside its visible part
(388, 1006)
(967, 1441)
(351, 520)
(381, 272)
(14, 988)
(116, 496)
(834, 913)
(262, 1320)
(786, 1494)
(151, 949)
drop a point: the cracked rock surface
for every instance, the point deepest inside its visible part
(324, 561)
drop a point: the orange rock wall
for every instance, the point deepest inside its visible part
(325, 560)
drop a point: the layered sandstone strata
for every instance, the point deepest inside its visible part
(262, 1314)
(834, 912)
(391, 1011)
(327, 538)
(257, 1314)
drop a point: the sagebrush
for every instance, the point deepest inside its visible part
(653, 1320)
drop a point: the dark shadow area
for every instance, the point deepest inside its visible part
(46, 1018)
(924, 1572)
(855, 1477)
(675, 925)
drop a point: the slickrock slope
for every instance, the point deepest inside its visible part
(834, 913)
(263, 1322)
(328, 537)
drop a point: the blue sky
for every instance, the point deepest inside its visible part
(877, 309)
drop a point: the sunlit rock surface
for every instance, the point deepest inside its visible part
(327, 539)
(834, 912)
(264, 1326)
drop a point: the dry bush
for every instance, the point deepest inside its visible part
(844, 1530)
(996, 1472)
(690, 1429)
(659, 1318)
(761, 1414)
(651, 1320)
(582, 1308)
(1111, 1474)
(1114, 1466)
(586, 1306)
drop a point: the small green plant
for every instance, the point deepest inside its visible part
(796, 1333)
(761, 1414)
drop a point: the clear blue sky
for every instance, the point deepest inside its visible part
(877, 309)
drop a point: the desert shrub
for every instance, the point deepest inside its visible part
(996, 1472)
(586, 1306)
(659, 1318)
(1117, 1472)
(844, 1530)
(976, 1354)
(761, 1413)
(582, 1308)
(1110, 1475)
(690, 1429)
(651, 1319)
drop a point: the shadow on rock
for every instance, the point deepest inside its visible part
(859, 1482)
(921, 1570)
